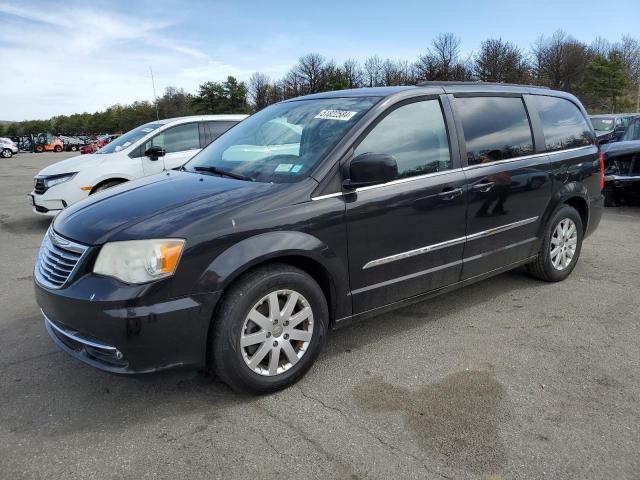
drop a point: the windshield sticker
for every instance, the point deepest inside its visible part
(284, 167)
(342, 115)
(296, 168)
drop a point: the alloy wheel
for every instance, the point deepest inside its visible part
(276, 333)
(564, 241)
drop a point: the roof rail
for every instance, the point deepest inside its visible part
(475, 82)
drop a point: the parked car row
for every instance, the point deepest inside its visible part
(622, 167)
(311, 214)
(611, 128)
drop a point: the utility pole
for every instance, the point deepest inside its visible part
(638, 98)
(155, 97)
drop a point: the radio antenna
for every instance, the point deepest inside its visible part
(155, 97)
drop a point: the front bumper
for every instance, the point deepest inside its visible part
(127, 329)
(55, 199)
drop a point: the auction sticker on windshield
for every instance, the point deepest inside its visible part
(342, 115)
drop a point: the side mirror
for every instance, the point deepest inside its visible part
(154, 153)
(371, 169)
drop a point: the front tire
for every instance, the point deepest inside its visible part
(269, 329)
(6, 153)
(57, 149)
(560, 247)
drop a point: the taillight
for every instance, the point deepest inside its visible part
(601, 157)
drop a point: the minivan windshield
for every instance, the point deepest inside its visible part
(129, 138)
(283, 142)
(603, 124)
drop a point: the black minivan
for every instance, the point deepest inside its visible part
(316, 212)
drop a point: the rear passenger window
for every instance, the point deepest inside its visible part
(177, 139)
(213, 130)
(563, 124)
(495, 128)
(415, 135)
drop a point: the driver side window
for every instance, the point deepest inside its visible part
(177, 139)
(415, 135)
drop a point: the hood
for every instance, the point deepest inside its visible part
(73, 164)
(104, 216)
(621, 148)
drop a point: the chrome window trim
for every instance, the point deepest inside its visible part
(463, 169)
(408, 179)
(448, 243)
(329, 195)
(528, 157)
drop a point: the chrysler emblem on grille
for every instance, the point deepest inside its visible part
(57, 240)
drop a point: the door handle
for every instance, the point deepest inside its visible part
(450, 193)
(483, 187)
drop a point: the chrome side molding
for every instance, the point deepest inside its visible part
(448, 243)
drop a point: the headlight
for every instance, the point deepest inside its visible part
(139, 261)
(56, 179)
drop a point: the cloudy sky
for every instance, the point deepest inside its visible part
(68, 57)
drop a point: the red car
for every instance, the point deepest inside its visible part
(97, 144)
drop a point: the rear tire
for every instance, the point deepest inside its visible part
(560, 247)
(6, 153)
(39, 148)
(57, 149)
(236, 341)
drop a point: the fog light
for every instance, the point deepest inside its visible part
(119, 355)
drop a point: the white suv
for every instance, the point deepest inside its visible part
(145, 150)
(7, 147)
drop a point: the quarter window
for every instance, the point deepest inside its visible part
(177, 139)
(495, 128)
(213, 130)
(563, 124)
(415, 135)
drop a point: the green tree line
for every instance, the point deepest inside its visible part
(604, 75)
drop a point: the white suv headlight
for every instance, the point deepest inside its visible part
(56, 179)
(139, 261)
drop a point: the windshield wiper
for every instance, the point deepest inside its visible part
(223, 173)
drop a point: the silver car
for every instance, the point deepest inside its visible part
(7, 147)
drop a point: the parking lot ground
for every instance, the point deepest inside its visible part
(508, 378)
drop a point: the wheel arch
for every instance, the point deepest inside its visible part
(572, 194)
(107, 180)
(297, 249)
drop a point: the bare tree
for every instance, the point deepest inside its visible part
(353, 73)
(446, 49)
(561, 61)
(442, 60)
(500, 61)
(373, 71)
(259, 91)
(396, 72)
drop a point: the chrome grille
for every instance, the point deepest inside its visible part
(57, 260)
(38, 185)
